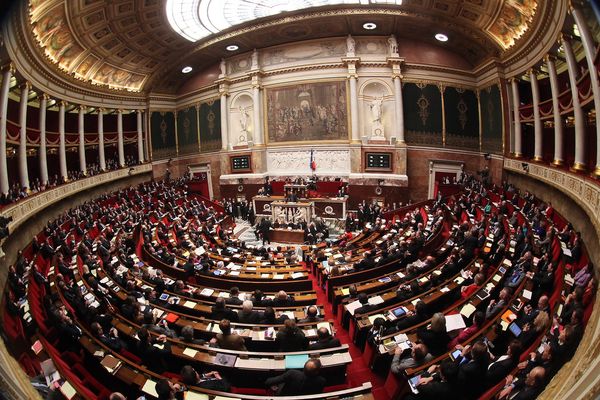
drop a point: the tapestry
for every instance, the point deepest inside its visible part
(187, 130)
(210, 126)
(461, 114)
(162, 128)
(422, 114)
(307, 112)
(491, 119)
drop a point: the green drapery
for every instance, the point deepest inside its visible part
(187, 130)
(462, 118)
(422, 114)
(162, 126)
(491, 118)
(210, 126)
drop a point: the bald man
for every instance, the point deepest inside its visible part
(527, 389)
(297, 383)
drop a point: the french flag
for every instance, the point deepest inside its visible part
(313, 164)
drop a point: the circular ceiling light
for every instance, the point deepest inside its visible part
(370, 25)
(187, 70)
(441, 37)
(232, 47)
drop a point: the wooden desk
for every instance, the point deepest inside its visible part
(295, 236)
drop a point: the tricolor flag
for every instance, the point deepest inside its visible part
(313, 164)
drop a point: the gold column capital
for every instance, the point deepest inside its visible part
(81, 108)
(100, 110)
(62, 103)
(25, 85)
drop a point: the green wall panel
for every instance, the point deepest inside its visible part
(491, 119)
(162, 127)
(462, 118)
(422, 114)
(187, 130)
(210, 126)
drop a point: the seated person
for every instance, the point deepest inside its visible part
(220, 311)
(467, 291)
(283, 300)
(438, 383)
(418, 355)
(110, 340)
(210, 380)
(472, 373)
(504, 364)
(325, 340)
(312, 315)
(268, 317)
(291, 338)
(187, 336)
(166, 390)
(228, 340)
(478, 321)
(435, 338)
(298, 383)
(234, 298)
(524, 389)
(153, 357)
(246, 315)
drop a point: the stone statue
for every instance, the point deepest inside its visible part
(376, 114)
(254, 59)
(393, 45)
(223, 67)
(350, 46)
(244, 115)
(376, 105)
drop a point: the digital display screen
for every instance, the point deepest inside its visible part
(378, 161)
(240, 163)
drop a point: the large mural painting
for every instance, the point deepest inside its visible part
(307, 112)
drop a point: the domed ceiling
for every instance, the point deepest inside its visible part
(141, 45)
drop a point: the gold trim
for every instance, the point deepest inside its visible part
(198, 105)
(176, 137)
(596, 173)
(537, 159)
(442, 88)
(325, 80)
(578, 167)
(518, 155)
(479, 116)
(504, 86)
(558, 163)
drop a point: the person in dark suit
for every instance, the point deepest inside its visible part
(110, 340)
(220, 311)
(291, 338)
(246, 315)
(312, 315)
(298, 383)
(325, 340)
(436, 338)
(413, 317)
(365, 306)
(282, 299)
(504, 364)
(472, 374)
(524, 389)
(187, 336)
(153, 357)
(438, 385)
(367, 262)
(234, 298)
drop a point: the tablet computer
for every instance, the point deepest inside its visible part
(515, 329)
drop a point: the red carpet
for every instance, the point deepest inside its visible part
(358, 370)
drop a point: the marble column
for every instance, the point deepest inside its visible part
(62, 149)
(573, 68)
(510, 114)
(23, 172)
(558, 128)
(101, 158)
(354, 109)
(399, 108)
(589, 48)
(81, 131)
(517, 118)
(258, 135)
(6, 77)
(537, 120)
(120, 147)
(224, 114)
(140, 137)
(42, 153)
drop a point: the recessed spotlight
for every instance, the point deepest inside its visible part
(187, 70)
(370, 25)
(441, 37)
(232, 47)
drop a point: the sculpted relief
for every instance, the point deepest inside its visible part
(298, 162)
